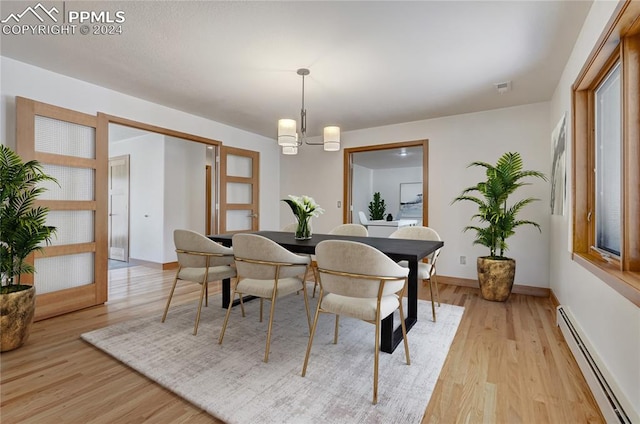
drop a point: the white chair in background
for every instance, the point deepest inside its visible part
(426, 270)
(363, 218)
(361, 282)
(200, 260)
(268, 271)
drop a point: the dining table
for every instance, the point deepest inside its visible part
(397, 249)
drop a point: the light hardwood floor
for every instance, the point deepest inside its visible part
(508, 364)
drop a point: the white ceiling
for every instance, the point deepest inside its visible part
(404, 157)
(372, 63)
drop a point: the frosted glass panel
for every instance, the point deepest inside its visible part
(238, 220)
(239, 193)
(62, 272)
(64, 138)
(73, 226)
(239, 166)
(75, 183)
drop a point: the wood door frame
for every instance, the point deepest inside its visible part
(105, 119)
(348, 174)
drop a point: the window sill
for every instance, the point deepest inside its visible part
(624, 282)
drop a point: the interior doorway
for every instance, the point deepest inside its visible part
(386, 168)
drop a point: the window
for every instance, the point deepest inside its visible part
(606, 156)
(608, 139)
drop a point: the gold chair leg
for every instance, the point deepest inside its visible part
(240, 295)
(306, 305)
(195, 328)
(435, 281)
(261, 303)
(433, 305)
(273, 308)
(404, 333)
(313, 332)
(206, 295)
(226, 317)
(335, 330)
(315, 280)
(166, 309)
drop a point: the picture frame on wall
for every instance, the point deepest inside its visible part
(411, 200)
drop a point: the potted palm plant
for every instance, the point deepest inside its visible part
(496, 272)
(22, 231)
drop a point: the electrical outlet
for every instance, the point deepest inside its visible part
(339, 204)
(463, 260)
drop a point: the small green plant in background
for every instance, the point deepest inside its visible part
(377, 207)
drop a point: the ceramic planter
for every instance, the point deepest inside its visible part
(496, 278)
(16, 316)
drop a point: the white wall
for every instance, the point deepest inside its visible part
(387, 182)
(184, 190)
(362, 192)
(454, 142)
(20, 79)
(611, 322)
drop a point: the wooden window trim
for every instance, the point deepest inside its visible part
(619, 42)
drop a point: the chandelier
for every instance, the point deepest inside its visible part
(288, 137)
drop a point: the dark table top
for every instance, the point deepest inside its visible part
(396, 249)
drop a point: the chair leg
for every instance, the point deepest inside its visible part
(375, 363)
(226, 316)
(306, 305)
(433, 305)
(261, 304)
(240, 295)
(313, 332)
(166, 309)
(315, 280)
(273, 308)
(404, 333)
(204, 289)
(435, 281)
(206, 295)
(335, 331)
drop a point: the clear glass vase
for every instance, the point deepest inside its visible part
(303, 230)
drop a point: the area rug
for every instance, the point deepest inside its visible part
(231, 382)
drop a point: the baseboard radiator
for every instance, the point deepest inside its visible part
(613, 405)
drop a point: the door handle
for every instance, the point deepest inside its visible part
(253, 215)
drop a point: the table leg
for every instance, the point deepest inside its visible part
(391, 337)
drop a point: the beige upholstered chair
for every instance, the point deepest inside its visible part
(341, 230)
(361, 282)
(200, 260)
(268, 271)
(426, 270)
(290, 228)
(350, 230)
